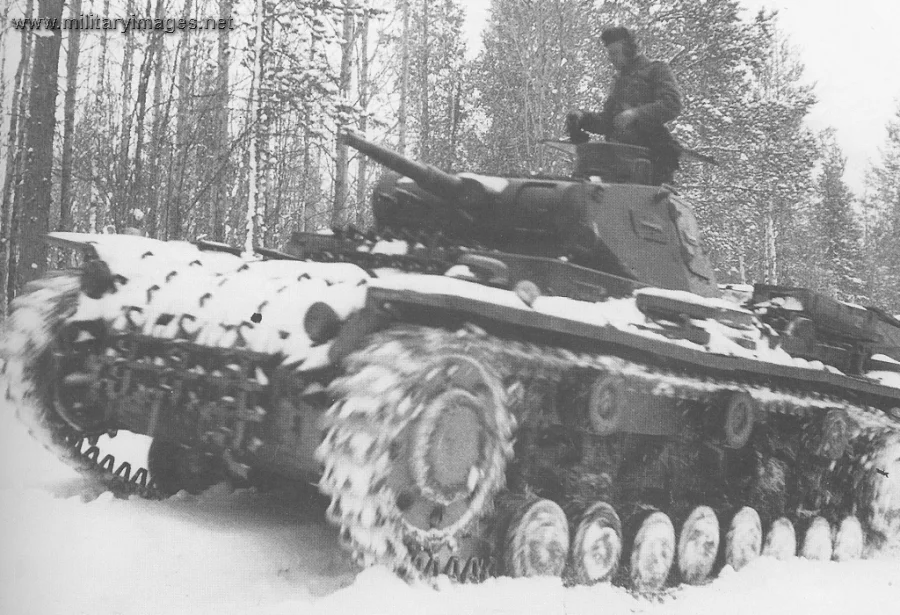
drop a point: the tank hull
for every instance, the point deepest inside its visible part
(452, 424)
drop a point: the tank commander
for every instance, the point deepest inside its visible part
(643, 98)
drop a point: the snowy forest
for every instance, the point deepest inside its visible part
(232, 134)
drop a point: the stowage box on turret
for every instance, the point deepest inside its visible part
(508, 375)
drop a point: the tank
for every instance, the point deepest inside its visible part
(507, 376)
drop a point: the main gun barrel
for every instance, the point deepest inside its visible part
(432, 179)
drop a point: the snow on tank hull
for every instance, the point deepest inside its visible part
(458, 427)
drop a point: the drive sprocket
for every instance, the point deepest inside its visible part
(417, 445)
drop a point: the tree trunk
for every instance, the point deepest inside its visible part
(102, 105)
(404, 79)
(120, 202)
(341, 147)
(152, 56)
(454, 112)
(40, 125)
(175, 203)
(252, 215)
(363, 121)
(104, 42)
(8, 219)
(160, 114)
(5, 163)
(307, 156)
(219, 197)
(425, 118)
(65, 179)
(771, 248)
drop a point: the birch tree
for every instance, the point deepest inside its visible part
(345, 84)
(252, 213)
(221, 188)
(122, 173)
(404, 77)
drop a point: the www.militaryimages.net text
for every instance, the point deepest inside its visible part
(125, 24)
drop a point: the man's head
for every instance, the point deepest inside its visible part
(620, 46)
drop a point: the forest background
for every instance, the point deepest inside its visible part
(231, 134)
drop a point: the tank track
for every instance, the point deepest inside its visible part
(378, 381)
(36, 321)
(133, 371)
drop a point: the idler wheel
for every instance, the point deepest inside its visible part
(743, 543)
(698, 545)
(817, 540)
(849, 541)
(653, 553)
(597, 545)
(781, 541)
(739, 416)
(606, 412)
(537, 540)
(835, 434)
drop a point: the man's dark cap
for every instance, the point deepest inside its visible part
(616, 34)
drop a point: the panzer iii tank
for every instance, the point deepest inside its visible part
(519, 376)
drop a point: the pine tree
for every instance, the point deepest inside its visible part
(882, 207)
(837, 232)
(538, 61)
(436, 59)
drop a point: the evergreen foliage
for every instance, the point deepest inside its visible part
(233, 134)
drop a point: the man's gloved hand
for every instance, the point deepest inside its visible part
(573, 127)
(624, 120)
(573, 120)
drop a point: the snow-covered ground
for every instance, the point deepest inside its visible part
(66, 549)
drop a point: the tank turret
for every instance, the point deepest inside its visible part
(606, 217)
